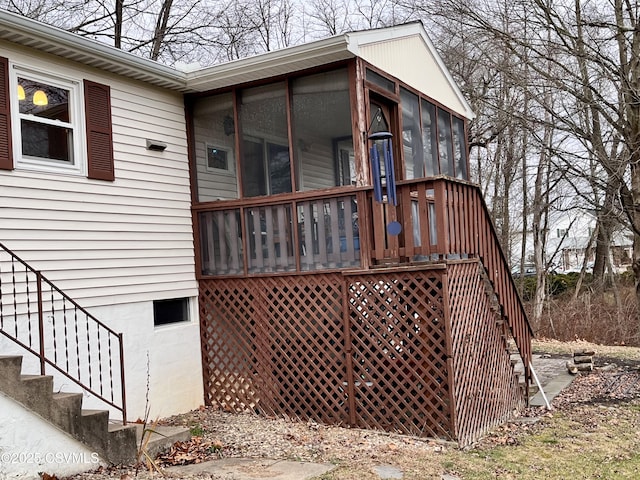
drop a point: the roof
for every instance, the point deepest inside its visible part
(31, 33)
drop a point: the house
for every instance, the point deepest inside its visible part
(569, 239)
(293, 233)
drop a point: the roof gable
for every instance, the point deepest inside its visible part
(403, 51)
(407, 53)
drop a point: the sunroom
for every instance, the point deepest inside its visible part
(348, 269)
(281, 166)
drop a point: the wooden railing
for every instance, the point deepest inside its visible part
(314, 232)
(43, 320)
(443, 218)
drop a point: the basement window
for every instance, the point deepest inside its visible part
(167, 312)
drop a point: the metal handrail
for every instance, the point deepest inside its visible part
(88, 363)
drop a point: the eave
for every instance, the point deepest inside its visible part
(46, 38)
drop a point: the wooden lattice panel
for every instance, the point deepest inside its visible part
(277, 344)
(306, 347)
(486, 391)
(229, 329)
(399, 352)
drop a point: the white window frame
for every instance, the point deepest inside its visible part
(230, 170)
(76, 123)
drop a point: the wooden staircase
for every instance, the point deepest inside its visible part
(115, 443)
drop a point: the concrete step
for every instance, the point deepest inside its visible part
(35, 392)
(10, 368)
(116, 444)
(160, 438)
(94, 424)
(122, 446)
(65, 411)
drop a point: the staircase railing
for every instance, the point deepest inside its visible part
(42, 319)
(444, 218)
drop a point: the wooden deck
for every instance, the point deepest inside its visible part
(327, 316)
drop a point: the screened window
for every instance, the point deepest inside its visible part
(264, 157)
(459, 148)
(433, 140)
(429, 138)
(322, 132)
(445, 143)
(214, 134)
(381, 81)
(411, 135)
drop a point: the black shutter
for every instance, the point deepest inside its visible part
(6, 152)
(97, 105)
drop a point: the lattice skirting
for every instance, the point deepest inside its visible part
(372, 350)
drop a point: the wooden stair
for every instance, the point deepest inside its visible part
(114, 443)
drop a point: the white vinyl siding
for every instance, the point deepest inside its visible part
(109, 242)
(318, 169)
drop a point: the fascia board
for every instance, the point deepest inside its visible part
(270, 64)
(31, 33)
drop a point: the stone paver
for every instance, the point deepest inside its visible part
(256, 469)
(388, 472)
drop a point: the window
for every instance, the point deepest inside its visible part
(53, 124)
(322, 129)
(175, 310)
(218, 160)
(380, 81)
(266, 169)
(445, 143)
(411, 135)
(459, 148)
(264, 157)
(47, 133)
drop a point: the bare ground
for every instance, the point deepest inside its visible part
(598, 414)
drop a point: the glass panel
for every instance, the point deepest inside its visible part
(322, 130)
(44, 101)
(345, 162)
(214, 135)
(381, 81)
(265, 154)
(270, 239)
(221, 242)
(328, 233)
(429, 140)
(445, 144)
(460, 148)
(411, 135)
(47, 141)
(379, 122)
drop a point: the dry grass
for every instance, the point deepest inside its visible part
(602, 318)
(545, 345)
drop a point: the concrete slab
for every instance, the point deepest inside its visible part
(256, 469)
(388, 472)
(552, 388)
